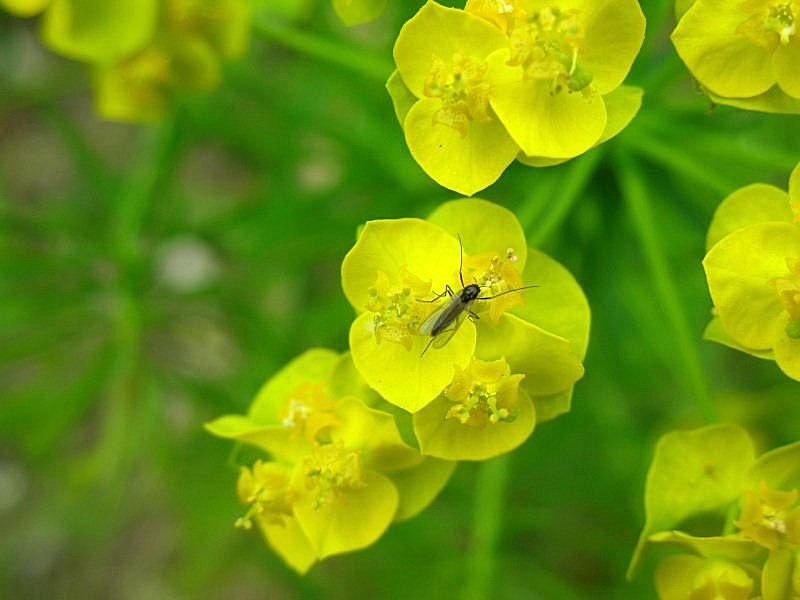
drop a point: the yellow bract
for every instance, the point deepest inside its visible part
(753, 272)
(512, 79)
(745, 53)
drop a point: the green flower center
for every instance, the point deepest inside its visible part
(788, 289)
(461, 87)
(770, 24)
(548, 45)
(266, 490)
(330, 470)
(397, 313)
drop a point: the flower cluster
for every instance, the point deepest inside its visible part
(477, 88)
(731, 520)
(504, 361)
(744, 53)
(142, 52)
(336, 472)
(472, 368)
(753, 272)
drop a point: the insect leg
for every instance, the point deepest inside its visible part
(448, 291)
(460, 260)
(473, 316)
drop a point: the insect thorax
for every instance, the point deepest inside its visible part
(470, 292)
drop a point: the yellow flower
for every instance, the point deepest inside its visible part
(744, 49)
(476, 88)
(338, 471)
(753, 272)
(770, 517)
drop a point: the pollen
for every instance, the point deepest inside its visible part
(485, 394)
(330, 470)
(307, 410)
(548, 45)
(266, 489)
(461, 86)
(397, 314)
(771, 24)
(769, 519)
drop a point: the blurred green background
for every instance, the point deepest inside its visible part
(152, 277)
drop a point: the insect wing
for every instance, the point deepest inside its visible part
(432, 319)
(441, 339)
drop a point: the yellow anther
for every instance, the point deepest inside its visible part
(548, 45)
(331, 469)
(461, 87)
(486, 393)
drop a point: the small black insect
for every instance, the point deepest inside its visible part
(443, 323)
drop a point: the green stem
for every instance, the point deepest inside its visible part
(352, 58)
(689, 367)
(674, 160)
(131, 207)
(487, 520)
(573, 181)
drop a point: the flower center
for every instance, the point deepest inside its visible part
(307, 410)
(496, 273)
(486, 393)
(768, 517)
(788, 289)
(771, 23)
(266, 489)
(548, 44)
(397, 314)
(330, 470)
(461, 87)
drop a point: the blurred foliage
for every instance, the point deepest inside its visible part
(153, 277)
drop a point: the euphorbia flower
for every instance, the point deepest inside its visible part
(393, 276)
(142, 87)
(338, 471)
(743, 48)
(99, 32)
(482, 413)
(706, 493)
(476, 88)
(753, 272)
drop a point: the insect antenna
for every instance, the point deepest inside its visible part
(460, 260)
(527, 287)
